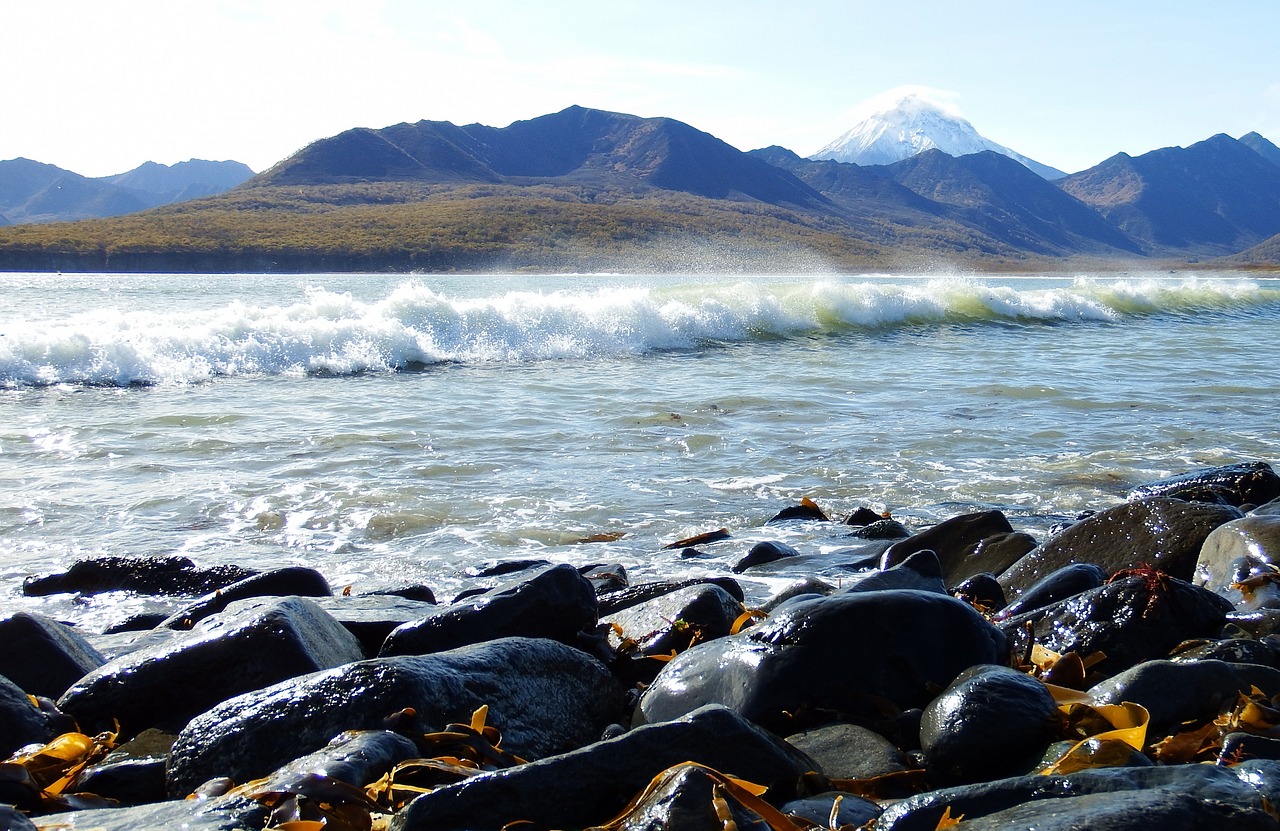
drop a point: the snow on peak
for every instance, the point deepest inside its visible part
(902, 123)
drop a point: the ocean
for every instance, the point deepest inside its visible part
(390, 429)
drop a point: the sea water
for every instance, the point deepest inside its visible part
(390, 429)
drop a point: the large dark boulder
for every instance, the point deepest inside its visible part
(966, 545)
(1249, 483)
(921, 571)
(43, 656)
(589, 786)
(1244, 788)
(1066, 582)
(556, 603)
(677, 620)
(849, 751)
(280, 582)
(1151, 810)
(1162, 532)
(992, 722)
(846, 656)
(1130, 620)
(145, 575)
(1176, 691)
(21, 722)
(371, 618)
(543, 696)
(253, 644)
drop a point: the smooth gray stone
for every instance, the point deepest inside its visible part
(829, 658)
(849, 751)
(253, 644)
(591, 785)
(1238, 550)
(187, 815)
(965, 545)
(43, 656)
(1175, 691)
(543, 696)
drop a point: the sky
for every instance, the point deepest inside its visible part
(101, 86)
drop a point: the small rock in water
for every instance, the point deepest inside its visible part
(145, 575)
(1249, 482)
(764, 552)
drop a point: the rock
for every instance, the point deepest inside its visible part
(11, 819)
(854, 812)
(281, 582)
(849, 751)
(1162, 532)
(920, 571)
(1154, 810)
(1269, 509)
(408, 591)
(128, 781)
(616, 601)
(1240, 560)
(1130, 620)
(797, 588)
(145, 575)
(1236, 747)
(355, 757)
(1174, 692)
(21, 722)
(543, 696)
(761, 553)
(371, 618)
(982, 591)
(1250, 482)
(992, 722)
(43, 656)
(690, 798)
(1066, 582)
(864, 516)
(882, 529)
(675, 621)
(842, 657)
(609, 577)
(806, 510)
(185, 814)
(589, 786)
(252, 644)
(556, 603)
(1242, 787)
(965, 545)
(1232, 650)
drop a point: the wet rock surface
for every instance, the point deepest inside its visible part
(1159, 531)
(21, 722)
(544, 696)
(43, 656)
(145, 575)
(1249, 483)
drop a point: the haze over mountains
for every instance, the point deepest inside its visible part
(35, 192)
(587, 189)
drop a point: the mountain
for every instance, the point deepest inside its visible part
(184, 180)
(1214, 198)
(576, 146)
(1262, 147)
(911, 125)
(33, 192)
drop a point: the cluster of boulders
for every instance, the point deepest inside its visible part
(1121, 674)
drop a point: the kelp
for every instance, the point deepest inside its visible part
(1252, 712)
(1107, 734)
(38, 781)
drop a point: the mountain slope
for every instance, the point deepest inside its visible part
(575, 146)
(1215, 197)
(1262, 147)
(912, 125)
(189, 179)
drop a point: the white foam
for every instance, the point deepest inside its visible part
(328, 332)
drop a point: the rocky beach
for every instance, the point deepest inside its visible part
(1117, 672)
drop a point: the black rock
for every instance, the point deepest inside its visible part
(21, 722)
(1150, 810)
(128, 781)
(965, 545)
(1130, 620)
(854, 811)
(409, 591)
(992, 722)
(920, 571)
(11, 819)
(807, 510)
(864, 516)
(354, 757)
(543, 696)
(145, 575)
(882, 529)
(849, 751)
(675, 621)
(281, 582)
(1174, 692)
(1066, 582)
(1233, 651)
(843, 657)
(556, 603)
(981, 591)
(1250, 482)
(589, 786)
(43, 656)
(606, 578)
(252, 644)
(614, 602)
(371, 617)
(764, 552)
(1162, 532)
(1243, 788)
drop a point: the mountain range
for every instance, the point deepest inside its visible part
(33, 192)
(586, 189)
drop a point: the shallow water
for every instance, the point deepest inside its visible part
(390, 428)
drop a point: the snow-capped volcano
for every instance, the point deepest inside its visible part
(904, 125)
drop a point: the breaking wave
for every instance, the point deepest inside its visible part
(413, 326)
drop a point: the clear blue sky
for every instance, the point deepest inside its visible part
(100, 86)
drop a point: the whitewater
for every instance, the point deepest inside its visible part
(393, 428)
